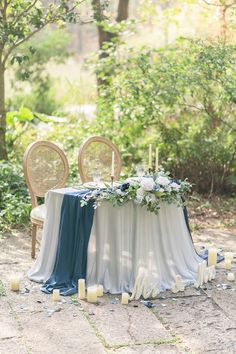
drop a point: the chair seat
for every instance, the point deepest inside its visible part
(38, 213)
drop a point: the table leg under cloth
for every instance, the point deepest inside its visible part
(123, 241)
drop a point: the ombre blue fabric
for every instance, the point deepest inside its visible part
(74, 232)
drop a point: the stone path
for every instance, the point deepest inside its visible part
(196, 321)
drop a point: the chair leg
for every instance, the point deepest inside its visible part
(34, 233)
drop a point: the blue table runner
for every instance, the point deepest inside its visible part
(74, 232)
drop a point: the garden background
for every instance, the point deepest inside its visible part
(151, 72)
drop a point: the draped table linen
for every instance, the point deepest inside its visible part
(124, 241)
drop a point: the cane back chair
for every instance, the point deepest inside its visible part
(45, 167)
(96, 153)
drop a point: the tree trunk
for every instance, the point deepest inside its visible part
(123, 10)
(106, 36)
(223, 20)
(3, 148)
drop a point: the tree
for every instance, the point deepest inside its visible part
(19, 21)
(106, 36)
(224, 6)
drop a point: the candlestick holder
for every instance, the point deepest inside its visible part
(112, 181)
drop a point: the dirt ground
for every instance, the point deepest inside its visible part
(195, 321)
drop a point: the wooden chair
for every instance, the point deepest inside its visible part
(45, 167)
(96, 153)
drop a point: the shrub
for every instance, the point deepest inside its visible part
(181, 98)
(14, 198)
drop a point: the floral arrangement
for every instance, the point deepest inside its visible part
(149, 190)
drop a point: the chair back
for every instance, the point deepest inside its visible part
(45, 167)
(96, 154)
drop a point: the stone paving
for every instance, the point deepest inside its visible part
(195, 321)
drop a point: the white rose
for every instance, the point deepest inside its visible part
(132, 181)
(119, 192)
(150, 198)
(140, 192)
(175, 186)
(147, 184)
(163, 181)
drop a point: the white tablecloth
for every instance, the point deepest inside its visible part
(124, 241)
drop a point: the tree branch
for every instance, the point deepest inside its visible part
(14, 46)
(219, 5)
(21, 14)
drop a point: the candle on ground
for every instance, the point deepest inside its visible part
(206, 275)
(100, 290)
(125, 298)
(157, 159)
(81, 289)
(228, 264)
(230, 277)
(229, 255)
(213, 275)
(203, 267)
(56, 295)
(179, 283)
(15, 284)
(212, 256)
(150, 157)
(92, 294)
(113, 164)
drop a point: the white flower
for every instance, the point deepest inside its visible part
(150, 198)
(163, 181)
(147, 184)
(132, 181)
(175, 186)
(140, 192)
(168, 188)
(119, 192)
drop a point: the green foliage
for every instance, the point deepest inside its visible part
(14, 198)
(180, 98)
(47, 46)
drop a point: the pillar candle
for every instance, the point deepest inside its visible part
(213, 272)
(229, 255)
(206, 275)
(150, 156)
(230, 277)
(212, 256)
(81, 289)
(56, 295)
(203, 267)
(174, 289)
(125, 298)
(179, 283)
(198, 274)
(209, 273)
(15, 284)
(157, 159)
(228, 264)
(113, 164)
(92, 294)
(100, 290)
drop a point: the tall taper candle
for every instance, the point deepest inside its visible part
(112, 163)
(157, 158)
(150, 157)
